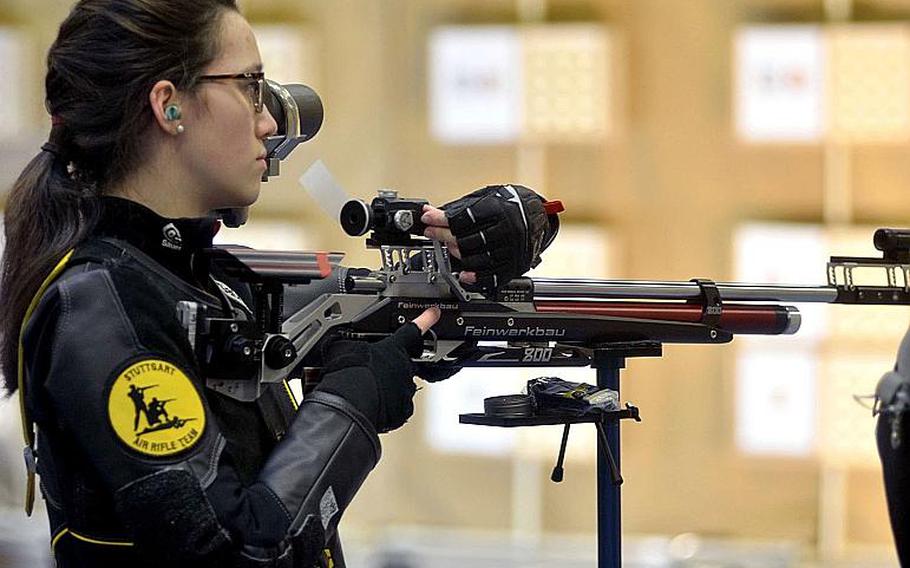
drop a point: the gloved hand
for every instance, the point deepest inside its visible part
(434, 373)
(495, 233)
(377, 378)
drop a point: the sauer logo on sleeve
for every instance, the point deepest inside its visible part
(155, 409)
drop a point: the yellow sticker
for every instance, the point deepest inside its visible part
(155, 409)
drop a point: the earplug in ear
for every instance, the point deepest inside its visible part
(172, 113)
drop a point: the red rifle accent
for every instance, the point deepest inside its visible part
(735, 318)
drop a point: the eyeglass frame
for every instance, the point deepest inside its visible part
(255, 78)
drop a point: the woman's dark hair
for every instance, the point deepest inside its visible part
(100, 70)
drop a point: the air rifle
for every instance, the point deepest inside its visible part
(529, 322)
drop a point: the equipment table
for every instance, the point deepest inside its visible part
(608, 360)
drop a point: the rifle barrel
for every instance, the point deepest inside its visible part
(591, 289)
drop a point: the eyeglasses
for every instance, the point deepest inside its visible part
(255, 88)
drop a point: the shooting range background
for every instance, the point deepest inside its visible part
(663, 182)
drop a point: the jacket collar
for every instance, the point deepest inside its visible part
(172, 242)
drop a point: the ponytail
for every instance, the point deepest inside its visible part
(48, 213)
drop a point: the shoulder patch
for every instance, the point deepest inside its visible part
(155, 410)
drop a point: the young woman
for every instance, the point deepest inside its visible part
(158, 119)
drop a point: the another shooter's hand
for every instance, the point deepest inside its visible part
(377, 378)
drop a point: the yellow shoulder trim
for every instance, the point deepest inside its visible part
(87, 539)
(291, 396)
(27, 430)
(61, 266)
(329, 561)
(83, 538)
(57, 537)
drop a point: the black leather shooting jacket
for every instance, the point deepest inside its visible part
(140, 463)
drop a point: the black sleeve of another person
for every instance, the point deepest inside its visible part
(896, 470)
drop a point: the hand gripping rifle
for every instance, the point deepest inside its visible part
(531, 322)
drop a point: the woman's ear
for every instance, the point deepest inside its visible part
(165, 102)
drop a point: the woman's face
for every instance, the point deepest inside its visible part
(223, 142)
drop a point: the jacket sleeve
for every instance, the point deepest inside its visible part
(122, 386)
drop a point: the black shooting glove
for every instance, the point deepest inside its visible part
(501, 231)
(433, 373)
(377, 378)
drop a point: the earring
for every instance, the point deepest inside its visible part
(172, 112)
(180, 129)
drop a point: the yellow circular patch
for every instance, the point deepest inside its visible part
(155, 409)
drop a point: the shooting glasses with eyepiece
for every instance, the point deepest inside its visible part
(298, 111)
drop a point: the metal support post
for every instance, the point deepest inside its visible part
(609, 511)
